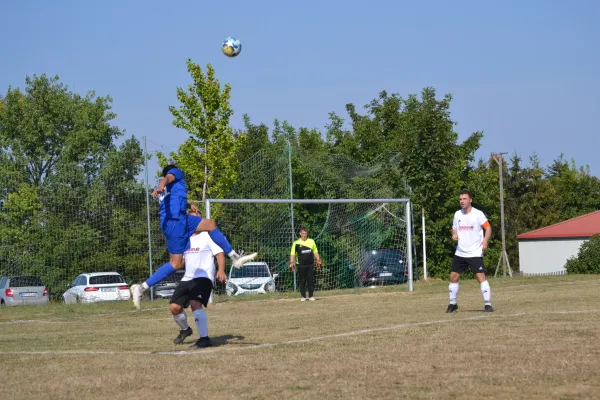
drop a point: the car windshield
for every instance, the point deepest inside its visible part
(106, 279)
(173, 278)
(384, 257)
(251, 271)
(24, 281)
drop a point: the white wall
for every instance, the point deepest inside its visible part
(541, 257)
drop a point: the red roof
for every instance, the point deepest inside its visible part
(582, 226)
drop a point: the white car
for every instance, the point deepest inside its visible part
(253, 277)
(95, 287)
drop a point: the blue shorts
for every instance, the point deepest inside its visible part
(179, 231)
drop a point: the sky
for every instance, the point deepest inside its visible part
(526, 73)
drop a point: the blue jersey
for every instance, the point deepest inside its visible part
(173, 201)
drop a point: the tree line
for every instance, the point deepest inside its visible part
(71, 199)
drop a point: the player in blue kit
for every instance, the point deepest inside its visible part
(178, 227)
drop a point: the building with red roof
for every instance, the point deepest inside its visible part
(545, 251)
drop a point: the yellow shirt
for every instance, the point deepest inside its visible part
(304, 251)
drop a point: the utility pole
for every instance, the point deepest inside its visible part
(503, 256)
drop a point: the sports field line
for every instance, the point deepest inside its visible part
(296, 341)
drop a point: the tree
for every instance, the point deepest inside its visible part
(208, 156)
(429, 158)
(69, 198)
(588, 258)
(579, 190)
(48, 124)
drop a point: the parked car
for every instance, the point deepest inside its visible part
(22, 291)
(254, 277)
(382, 267)
(96, 287)
(165, 288)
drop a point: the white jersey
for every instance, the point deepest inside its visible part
(470, 232)
(200, 258)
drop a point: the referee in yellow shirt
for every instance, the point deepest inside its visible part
(306, 251)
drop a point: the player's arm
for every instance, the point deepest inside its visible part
(173, 175)
(193, 208)
(455, 228)
(316, 253)
(221, 267)
(292, 256)
(488, 234)
(163, 183)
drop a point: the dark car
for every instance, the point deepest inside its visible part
(382, 267)
(165, 288)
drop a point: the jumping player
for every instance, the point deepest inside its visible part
(178, 227)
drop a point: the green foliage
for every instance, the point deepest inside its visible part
(70, 200)
(208, 156)
(588, 258)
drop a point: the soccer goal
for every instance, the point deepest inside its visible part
(362, 242)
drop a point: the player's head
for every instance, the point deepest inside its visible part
(169, 167)
(465, 198)
(303, 233)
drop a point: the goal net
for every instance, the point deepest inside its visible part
(362, 242)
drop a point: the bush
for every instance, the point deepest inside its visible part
(588, 258)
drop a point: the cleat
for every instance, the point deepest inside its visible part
(488, 308)
(312, 299)
(136, 295)
(452, 308)
(202, 343)
(239, 261)
(303, 299)
(182, 335)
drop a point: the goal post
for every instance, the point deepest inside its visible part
(362, 242)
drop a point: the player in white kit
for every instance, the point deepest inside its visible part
(468, 229)
(196, 286)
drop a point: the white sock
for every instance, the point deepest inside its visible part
(201, 322)
(145, 286)
(233, 255)
(453, 289)
(486, 291)
(181, 320)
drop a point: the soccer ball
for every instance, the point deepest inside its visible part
(231, 47)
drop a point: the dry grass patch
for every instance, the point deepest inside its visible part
(542, 342)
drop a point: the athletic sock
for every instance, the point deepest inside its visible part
(160, 274)
(486, 291)
(453, 290)
(201, 322)
(220, 240)
(181, 320)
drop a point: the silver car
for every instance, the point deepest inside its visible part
(23, 291)
(165, 288)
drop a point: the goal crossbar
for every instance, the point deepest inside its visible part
(409, 254)
(305, 201)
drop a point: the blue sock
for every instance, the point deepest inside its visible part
(220, 240)
(160, 274)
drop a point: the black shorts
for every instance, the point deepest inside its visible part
(460, 264)
(197, 289)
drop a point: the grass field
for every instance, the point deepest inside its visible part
(542, 342)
